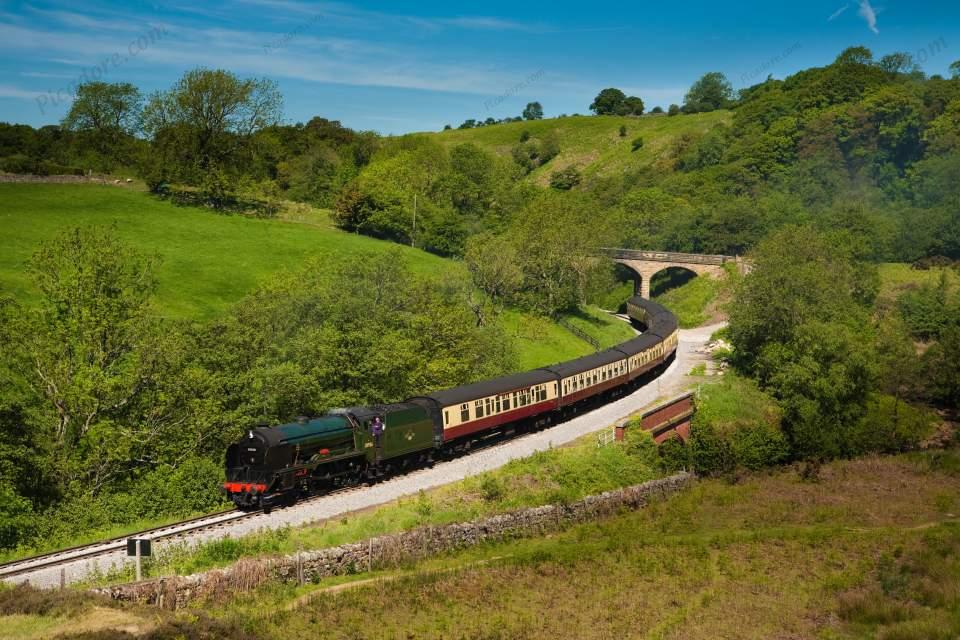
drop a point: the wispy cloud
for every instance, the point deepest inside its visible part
(867, 12)
(10, 91)
(43, 74)
(839, 12)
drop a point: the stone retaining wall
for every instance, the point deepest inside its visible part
(65, 179)
(390, 550)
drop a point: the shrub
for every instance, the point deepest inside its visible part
(710, 451)
(759, 445)
(491, 488)
(640, 444)
(674, 455)
(565, 179)
(674, 110)
(524, 135)
(890, 426)
(18, 163)
(623, 131)
(636, 144)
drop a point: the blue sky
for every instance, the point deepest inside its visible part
(409, 66)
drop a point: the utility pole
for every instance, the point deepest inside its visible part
(413, 236)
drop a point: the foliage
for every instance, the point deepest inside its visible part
(637, 143)
(533, 111)
(712, 91)
(206, 122)
(565, 179)
(127, 417)
(799, 275)
(614, 102)
(736, 425)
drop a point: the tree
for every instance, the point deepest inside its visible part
(632, 106)
(822, 376)
(855, 55)
(105, 108)
(799, 275)
(712, 91)
(106, 116)
(82, 346)
(447, 127)
(533, 111)
(898, 62)
(657, 109)
(674, 110)
(955, 69)
(207, 118)
(468, 124)
(494, 266)
(608, 102)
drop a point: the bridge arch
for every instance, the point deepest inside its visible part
(646, 264)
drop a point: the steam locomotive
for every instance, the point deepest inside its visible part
(273, 466)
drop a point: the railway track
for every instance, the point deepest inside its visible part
(84, 552)
(174, 531)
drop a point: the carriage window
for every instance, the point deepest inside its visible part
(478, 408)
(489, 403)
(497, 405)
(464, 413)
(446, 418)
(506, 403)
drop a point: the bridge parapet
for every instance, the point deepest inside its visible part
(667, 256)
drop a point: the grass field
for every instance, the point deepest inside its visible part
(210, 261)
(867, 548)
(895, 278)
(591, 143)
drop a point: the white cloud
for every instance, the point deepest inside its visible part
(10, 91)
(836, 14)
(867, 12)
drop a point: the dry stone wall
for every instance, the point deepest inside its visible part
(390, 550)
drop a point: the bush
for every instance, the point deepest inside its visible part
(623, 131)
(17, 523)
(890, 426)
(18, 163)
(636, 144)
(674, 455)
(710, 451)
(640, 444)
(524, 135)
(565, 179)
(674, 110)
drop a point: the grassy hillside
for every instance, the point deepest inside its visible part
(211, 261)
(897, 278)
(591, 143)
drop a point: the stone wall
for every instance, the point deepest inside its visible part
(391, 550)
(67, 179)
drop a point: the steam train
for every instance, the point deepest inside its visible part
(273, 466)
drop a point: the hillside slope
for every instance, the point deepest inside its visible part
(210, 261)
(591, 143)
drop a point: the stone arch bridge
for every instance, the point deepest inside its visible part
(646, 264)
